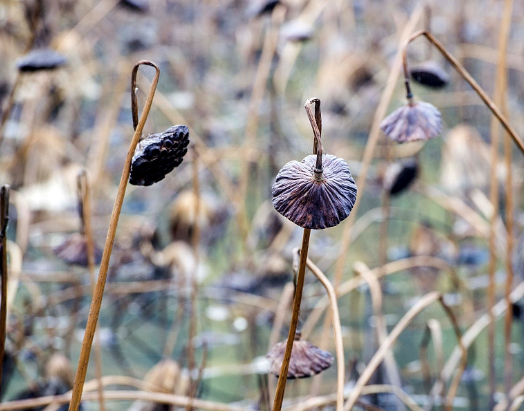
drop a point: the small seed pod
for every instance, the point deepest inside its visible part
(306, 359)
(311, 199)
(74, 251)
(413, 121)
(400, 175)
(41, 59)
(157, 155)
(429, 74)
(135, 5)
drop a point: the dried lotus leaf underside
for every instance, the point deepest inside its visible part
(306, 359)
(41, 59)
(157, 155)
(310, 203)
(420, 121)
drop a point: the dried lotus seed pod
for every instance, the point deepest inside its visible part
(413, 121)
(40, 59)
(429, 74)
(311, 200)
(157, 155)
(306, 359)
(400, 175)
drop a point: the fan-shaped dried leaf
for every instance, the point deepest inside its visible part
(306, 359)
(429, 74)
(158, 154)
(41, 59)
(74, 251)
(309, 203)
(412, 122)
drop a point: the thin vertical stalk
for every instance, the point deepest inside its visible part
(282, 379)
(96, 303)
(372, 141)
(502, 78)
(194, 283)
(85, 196)
(4, 219)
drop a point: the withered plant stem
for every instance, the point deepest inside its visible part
(502, 79)
(85, 195)
(372, 141)
(316, 125)
(195, 240)
(471, 81)
(337, 330)
(282, 379)
(96, 303)
(4, 219)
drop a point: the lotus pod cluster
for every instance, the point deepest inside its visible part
(413, 121)
(306, 359)
(158, 154)
(313, 201)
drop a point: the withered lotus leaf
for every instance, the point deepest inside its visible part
(157, 155)
(412, 122)
(315, 202)
(306, 359)
(74, 251)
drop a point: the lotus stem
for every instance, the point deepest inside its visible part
(282, 379)
(4, 220)
(316, 125)
(471, 81)
(96, 303)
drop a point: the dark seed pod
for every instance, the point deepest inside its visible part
(306, 359)
(41, 59)
(429, 74)
(312, 201)
(259, 7)
(74, 251)
(412, 122)
(400, 175)
(158, 154)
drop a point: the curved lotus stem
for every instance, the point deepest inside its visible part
(316, 125)
(104, 265)
(466, 76)
(4, 219)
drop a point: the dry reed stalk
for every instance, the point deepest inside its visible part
(423, 303)
(374, 135)
(322, 401)
(499, 97)
(474, 331)
(4, 220)
(194, 282)
(375, 289)
(257, 95)
(105, 123)
(122, 395)
(503, 73)
(104, 265)
(390, 268)
(432, 331)
(337, 330)
(84, 191)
